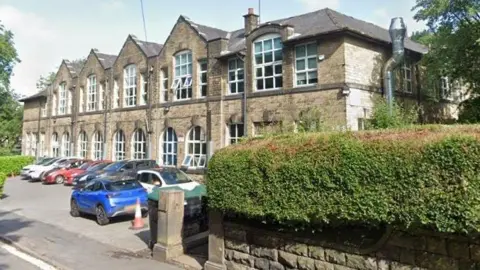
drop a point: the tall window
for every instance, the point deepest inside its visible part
(169, 148)
(143, 89)
(62, 93)
(202, 74)
(119, 145)
(66, 144)
(101, 96)
(80, 100)
(54, 105)
(139, 145)
(183, 76)
(407, 77)
(306, 64)
(44, 109)
(82, 144)
(28, 144)
(42, 144)
(97, 146)
(196, 153)
(34, 144)
(55, 145)
(235, 76)
(236, 133)
(92, 93)
(116, 95)
(130, 86)
(164, 86)
(268, 62)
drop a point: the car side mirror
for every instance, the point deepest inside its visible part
(121, 170)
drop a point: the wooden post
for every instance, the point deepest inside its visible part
(216, 244)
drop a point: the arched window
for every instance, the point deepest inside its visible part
(268, 60)
(182, 83)
(82, 144)
(139, 145)
(66, 144)
(130, 86)
(196, 152)
(28, 144)
(119, 145)
(97, 146)
(55, 145)
(168, 150)
(92, 94)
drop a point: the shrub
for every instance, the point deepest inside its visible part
(420, 176)
(13, 164)
(3, 177)
(401, 115)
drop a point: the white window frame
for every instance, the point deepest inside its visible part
(193, 159)
(54, 105)
(42, 144)
(143, 89)
(308, 71)
(55, 145)
(118, 145)
(234, 71)
(63, 95)
(201, 83)
(33, 144)
(164, 85)
(407, 69)
(101, 95)
(273, 64)
(139, 145)
(116, 95)
(28, 144)
(130, 86)
(97, 146)
(238, 130)
(169, 148)
(82, 144)
(44, 109)
(182, 83)
(80, 100)
(65, 147)
(92, 94)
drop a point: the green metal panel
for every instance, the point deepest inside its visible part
(198, 191)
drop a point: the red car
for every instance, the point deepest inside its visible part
(58, 175)
(70, 174)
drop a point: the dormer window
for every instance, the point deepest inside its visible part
(182, 84)
(268, 61)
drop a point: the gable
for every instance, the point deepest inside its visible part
(129, 54)
(182, 37)
(90, 65)
(63, 75)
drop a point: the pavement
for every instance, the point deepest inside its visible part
(35, 218)
(14, 259)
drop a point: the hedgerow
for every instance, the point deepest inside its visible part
(13, 164)
(421, 176)
(3, 177)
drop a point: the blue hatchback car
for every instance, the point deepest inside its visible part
(108, 198)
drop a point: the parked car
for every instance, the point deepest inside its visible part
(165, 177)
(37, 171)
(108, 198)
(57, 175)
(81, 179)
(87, 166)
(25, 170)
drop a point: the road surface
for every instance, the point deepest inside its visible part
(12, 258)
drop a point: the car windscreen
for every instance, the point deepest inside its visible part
(97, 167)
(174, 177)
(114, 166)
(44, 161)
(50, 162)
(85, 166)
(122, 185)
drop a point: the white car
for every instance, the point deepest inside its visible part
(36, 171)
(165, 177)
(25, 170)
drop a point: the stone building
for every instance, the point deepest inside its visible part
(180, 101)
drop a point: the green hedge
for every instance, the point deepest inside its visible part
(3, 178)
(422, 176)
(13, 164)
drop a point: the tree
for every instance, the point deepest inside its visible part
(45, 81)
(8, 57)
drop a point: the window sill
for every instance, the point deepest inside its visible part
(267, 90)
(305, 85)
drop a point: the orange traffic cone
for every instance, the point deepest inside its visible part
(138, 223)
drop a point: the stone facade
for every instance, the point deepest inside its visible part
(252, 248)
(347, 76)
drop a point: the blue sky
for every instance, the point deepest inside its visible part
(49, 30)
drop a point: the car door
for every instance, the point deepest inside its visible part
(82, 197)
(145, 179)
(127, 169)
(92, 197)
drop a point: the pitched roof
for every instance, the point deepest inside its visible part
(149, 48)
(106, 60)
(40, 94)
(75, 66)
(310, 24)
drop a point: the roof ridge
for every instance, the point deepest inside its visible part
(332, 18)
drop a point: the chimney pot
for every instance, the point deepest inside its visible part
(251, 11)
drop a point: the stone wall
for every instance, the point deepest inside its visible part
(252, 248)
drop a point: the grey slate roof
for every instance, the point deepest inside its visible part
(42, 93)
(75, 66)
(106, 60)
(149, 48)
(310, 24)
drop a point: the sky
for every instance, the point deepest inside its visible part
(48, 31)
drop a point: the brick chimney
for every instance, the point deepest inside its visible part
(251, 21)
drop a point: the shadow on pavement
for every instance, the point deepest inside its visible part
(144, 236)
(8, 229)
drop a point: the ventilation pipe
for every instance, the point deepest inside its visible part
(397, 34)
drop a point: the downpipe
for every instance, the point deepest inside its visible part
(397, 32)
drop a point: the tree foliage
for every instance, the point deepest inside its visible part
(44, 81)
(401, 115)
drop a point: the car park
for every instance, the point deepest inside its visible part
(165, 177)
(57, 175)
(108, 198)
(37, 171)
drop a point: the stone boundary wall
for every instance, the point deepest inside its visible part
(247, 247)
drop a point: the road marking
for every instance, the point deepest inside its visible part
(38, 263)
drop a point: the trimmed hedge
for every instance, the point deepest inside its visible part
(3, 178)
(421, 176)
(13, 164)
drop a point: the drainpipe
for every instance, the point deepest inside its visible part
(106, 107)
(245, 80)
(37, 143)
(397, 34)
(149, 123)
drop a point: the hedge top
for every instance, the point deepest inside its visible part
(420, 176)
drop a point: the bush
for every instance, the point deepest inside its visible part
(13, 164)
(401, 115)
(3, 177)
(420, 176)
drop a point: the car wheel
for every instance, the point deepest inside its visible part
(102, 218)
(74, 210)
(59, 179)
